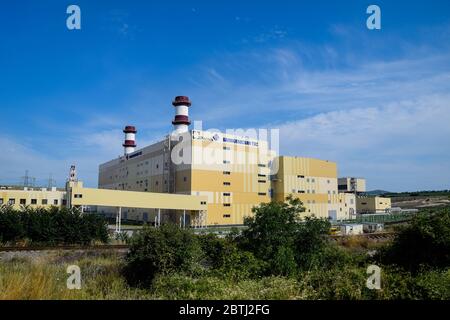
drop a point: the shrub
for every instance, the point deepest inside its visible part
(311, 241)
(165, 250)
(277, 235)
(271, 234)
(225, 259)
(424, 242)
(11, 227)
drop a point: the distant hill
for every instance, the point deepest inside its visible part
(376, 192)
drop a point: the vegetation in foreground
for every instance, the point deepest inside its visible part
(276, 257)
(53, 226)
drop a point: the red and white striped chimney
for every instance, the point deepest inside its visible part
(181, 122)
(130, 139)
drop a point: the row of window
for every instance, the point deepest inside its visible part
(44, 202)
(313, 191)
(310, 180)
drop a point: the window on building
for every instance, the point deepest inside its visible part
(1, 201)
(328, 181)
(261, 165)
(262, 175)
(301, 191)
(226, 216)
(184, 179)
(329, 201)
(313, 180)
(64, 202)
(307, 180)
(226, 162)
(34, 201)
(157, 166)
(227, 184)
(78, 196)
(11, 201)
(314, 191)
(227, 173)
(329, 192)
(44, 202)
(300, 176)
(23, 201)
(55, 202)
(364, 203)
(226, 194)
(156, 182)
(262, 181)
(226, 148)
(203, 202)
(227, 205)
(262, 194)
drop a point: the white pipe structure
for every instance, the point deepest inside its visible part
(181, 121)
(119, 220)
(130, 139)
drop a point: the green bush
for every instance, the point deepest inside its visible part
(311, 243)
(11, 227)
(225, 259)
(424, 242)
(398, 284)
(277, 235)
(163, 250)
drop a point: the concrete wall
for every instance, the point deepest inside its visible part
(33, 198)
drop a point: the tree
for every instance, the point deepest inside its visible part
(271, 233)
(424, 242)
(311, 242)
(273, 225)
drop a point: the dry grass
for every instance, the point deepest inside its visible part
(45, 278)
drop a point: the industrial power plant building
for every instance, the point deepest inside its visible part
(204, 178)
(235, 173)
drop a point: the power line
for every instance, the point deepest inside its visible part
(28, 181)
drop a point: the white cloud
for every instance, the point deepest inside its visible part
(394, 146)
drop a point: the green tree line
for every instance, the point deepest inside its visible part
(51, 226)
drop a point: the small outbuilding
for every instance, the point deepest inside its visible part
(351, 229)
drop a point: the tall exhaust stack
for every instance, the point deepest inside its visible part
(181, 122)
(130, 139)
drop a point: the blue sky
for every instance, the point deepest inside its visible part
(377, 102)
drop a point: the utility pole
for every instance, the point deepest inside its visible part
(27, 180)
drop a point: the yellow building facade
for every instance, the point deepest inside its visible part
(33, 198)
(314, 182)
(366, 204)
(230, 171)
